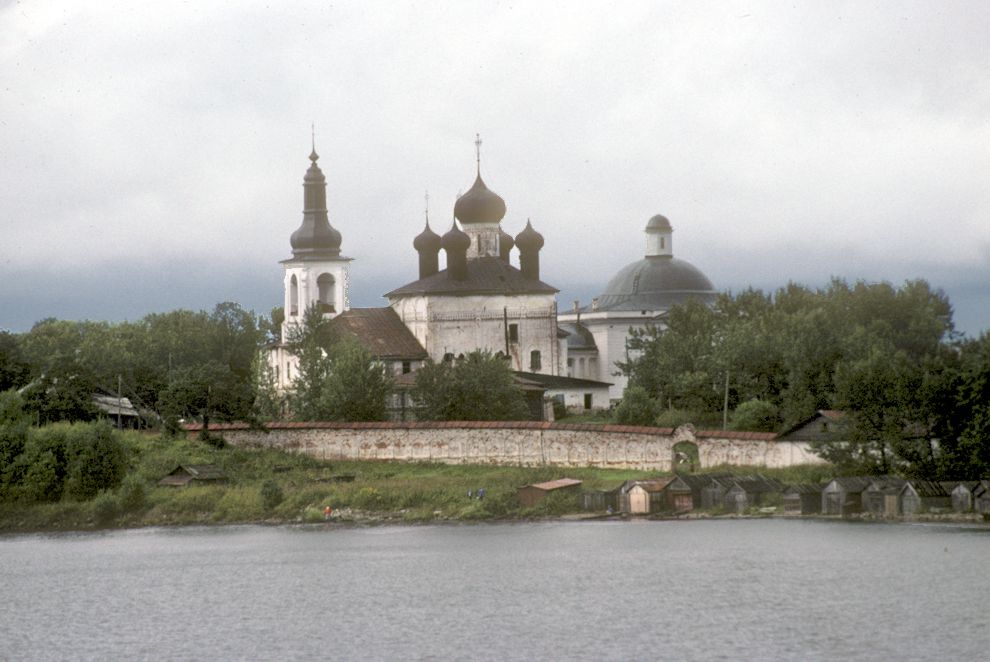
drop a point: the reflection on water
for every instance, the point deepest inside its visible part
(757, 589)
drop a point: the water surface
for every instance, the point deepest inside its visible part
(744, 589)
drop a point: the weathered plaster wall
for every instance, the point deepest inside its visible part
(520, 443)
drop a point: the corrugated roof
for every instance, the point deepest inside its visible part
(485, 275)
(112, 405)
(381, 332)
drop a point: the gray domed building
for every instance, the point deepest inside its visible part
(638, 296)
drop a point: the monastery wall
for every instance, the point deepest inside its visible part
(520, 443)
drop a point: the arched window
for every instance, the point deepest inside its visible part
(293, 296)
(325, 285)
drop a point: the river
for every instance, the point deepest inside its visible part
(676, 590)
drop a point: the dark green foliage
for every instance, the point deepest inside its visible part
(133, 494)
(477, 387)
(96, 461)
(636, 408)
(755, 416)
(14, 369)
(356, 388)
(914, 393)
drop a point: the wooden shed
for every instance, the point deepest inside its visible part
(199, 474)
(707, 490)
(655, 495)
(882, 496)
(844, 495)
(802, 499)
(981, 497)
(962, 494)
(600, 500)
(530, 495)
(746, 492)
(923, 496)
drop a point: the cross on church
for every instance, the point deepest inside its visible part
(477, 150)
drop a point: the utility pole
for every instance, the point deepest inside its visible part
(725, 403)
(118, 402)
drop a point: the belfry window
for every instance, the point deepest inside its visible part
(293, 296)
(325, 284)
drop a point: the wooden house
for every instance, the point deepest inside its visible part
(826, 425)
(680, 497)
(844, 495)
(530, 495)
(882, 496)
(198, 474)
(923, 496)
(802, 499)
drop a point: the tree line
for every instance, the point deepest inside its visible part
(916, 394)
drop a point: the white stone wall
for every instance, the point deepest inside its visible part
(527, 444)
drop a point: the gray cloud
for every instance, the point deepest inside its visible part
(784, 143)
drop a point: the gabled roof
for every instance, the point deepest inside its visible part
(833, 416)
(927, 488)
(852, 483)
(485, 275)
(381, 332)
(803, 488)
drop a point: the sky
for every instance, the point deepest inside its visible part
(152, 153)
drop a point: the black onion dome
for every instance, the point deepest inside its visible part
(479, 205)
(659, 222)
(505, 241)
(455, 240)
(315, 237)
(427, 240)
(529, 239)
(656, 283)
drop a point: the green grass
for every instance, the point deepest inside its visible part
(410, 492)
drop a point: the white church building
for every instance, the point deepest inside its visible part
(480, 300)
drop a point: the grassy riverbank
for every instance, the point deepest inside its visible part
(273, 486)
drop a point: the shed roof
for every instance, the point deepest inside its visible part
(560, 483)
(112, 405)
(803, 488)
(927, 488)
(561, 382)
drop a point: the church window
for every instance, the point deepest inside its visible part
(406, 367)
(293, 296)
(325, 284)
(534, 360)
(587, 401)
(513, 333)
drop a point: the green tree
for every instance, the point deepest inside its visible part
(755, 416)
(478, 387)
(636, 408)
(357, 387)
(310, 342)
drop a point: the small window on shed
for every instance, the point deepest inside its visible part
(406, 367)
(534, 360)
(513, 333)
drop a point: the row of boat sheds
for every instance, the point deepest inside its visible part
(882, 496)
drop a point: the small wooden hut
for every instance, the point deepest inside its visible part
(844, 495)
(981, 497)
(600, 500)
(881, 496)
(962, 494)
(746, 492)
(655, 495)
(802, 499)
(923, 496)
(530, 495)
(198, 474)
(707, 490)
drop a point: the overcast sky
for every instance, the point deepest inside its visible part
(152, 153)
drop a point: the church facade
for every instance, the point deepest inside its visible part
(480, 300)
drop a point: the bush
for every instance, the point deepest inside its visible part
(271, 495)
(672, 418)
(636, 408)
(133, 494)
(756, 416)
(106, 507)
